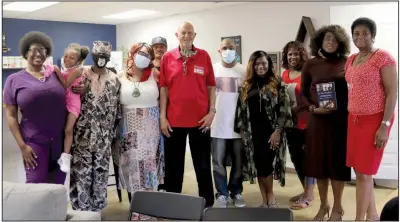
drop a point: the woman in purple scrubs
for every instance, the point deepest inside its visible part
(41, 101)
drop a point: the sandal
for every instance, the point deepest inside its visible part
(272, 204)
(336, 215)
(263, 205)
(323, 211)
(296, 198)
(135, 216)
(301, 204)
(144, 217)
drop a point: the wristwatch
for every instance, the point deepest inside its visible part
(386, 123)
(213, 110)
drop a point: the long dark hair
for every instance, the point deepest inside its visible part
(250, 73)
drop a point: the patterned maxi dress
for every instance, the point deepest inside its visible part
(279, 114)
(94, 132)
(140, 146)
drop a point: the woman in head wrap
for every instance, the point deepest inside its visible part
(94, 132)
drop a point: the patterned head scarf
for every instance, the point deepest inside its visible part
(102, 47)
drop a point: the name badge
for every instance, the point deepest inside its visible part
(199, 70)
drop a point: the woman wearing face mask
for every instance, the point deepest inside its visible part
(262, 112)
(94, 132)
(372, 77)
(74, 56)
(140, 143)
(39, 135)
(325, 150)
(293, 58)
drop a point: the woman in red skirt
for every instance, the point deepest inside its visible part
(372, 79)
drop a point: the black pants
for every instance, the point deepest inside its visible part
(200, 148)
(296, 140)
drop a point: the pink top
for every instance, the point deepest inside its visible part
(366, 91)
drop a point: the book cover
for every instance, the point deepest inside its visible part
(326, 95)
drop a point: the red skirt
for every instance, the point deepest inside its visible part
(362, 154)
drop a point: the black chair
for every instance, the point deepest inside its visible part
(390, 211)
(116, 175)
(248, 214)
(172, 206)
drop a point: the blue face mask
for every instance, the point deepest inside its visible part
(228, 56)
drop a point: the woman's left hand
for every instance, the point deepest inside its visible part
(381, 137)
(275, 139)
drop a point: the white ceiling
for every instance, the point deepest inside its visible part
(92, 12)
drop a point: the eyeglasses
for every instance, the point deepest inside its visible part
(147, 55)
(42, 51)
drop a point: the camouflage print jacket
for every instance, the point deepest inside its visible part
(279, 113)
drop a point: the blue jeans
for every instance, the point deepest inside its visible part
(220, 148)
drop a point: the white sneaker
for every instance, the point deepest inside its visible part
(221, 202)
(65, 162)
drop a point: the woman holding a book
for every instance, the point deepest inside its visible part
(293, 59)
(372, 78)
(323, 81)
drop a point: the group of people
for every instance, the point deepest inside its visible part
(143, 116)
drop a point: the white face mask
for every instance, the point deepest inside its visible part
(228, 56)
(142, 61)
(101, 62)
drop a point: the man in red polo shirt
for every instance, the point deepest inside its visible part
(187, 104)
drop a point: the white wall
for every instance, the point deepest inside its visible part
(385, 16)
(265, 25)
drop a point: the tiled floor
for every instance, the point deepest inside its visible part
(13, 171)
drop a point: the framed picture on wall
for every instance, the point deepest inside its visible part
(238, 41)
(276, 61)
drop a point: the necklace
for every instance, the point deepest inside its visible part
(37, 75)
(361, 58)
(136, 91)
(260, 95)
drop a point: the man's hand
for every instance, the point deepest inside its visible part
(165, 127)
(81, 89)
(207, 121)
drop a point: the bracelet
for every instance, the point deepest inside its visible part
(278, 129)
(311, 108)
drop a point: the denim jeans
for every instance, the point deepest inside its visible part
(220, 149)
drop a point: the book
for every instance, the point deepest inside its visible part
(326, 94)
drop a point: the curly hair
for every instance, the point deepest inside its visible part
(273, 80)
(296, 45)
(341, 35)
(369, 23)
(35, 37)
(133, 50)
(83, 51)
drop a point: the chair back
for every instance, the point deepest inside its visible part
(248, 214)
(173, 206)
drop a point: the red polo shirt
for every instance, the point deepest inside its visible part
(188, 99)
